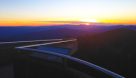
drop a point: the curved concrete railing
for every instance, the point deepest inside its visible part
(91, 65)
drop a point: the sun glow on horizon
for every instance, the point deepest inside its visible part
(89, 20)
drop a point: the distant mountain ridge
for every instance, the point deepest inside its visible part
(47, 32)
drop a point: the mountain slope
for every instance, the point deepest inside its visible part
(113, 49)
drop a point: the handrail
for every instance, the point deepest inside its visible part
(108, 72)
(14, 42)
(47, 43)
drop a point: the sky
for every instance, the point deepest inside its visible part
(41, 12)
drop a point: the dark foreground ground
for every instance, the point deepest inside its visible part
(114, 50)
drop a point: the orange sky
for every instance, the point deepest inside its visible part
(47, 23)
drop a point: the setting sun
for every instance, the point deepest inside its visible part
(89, 20)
